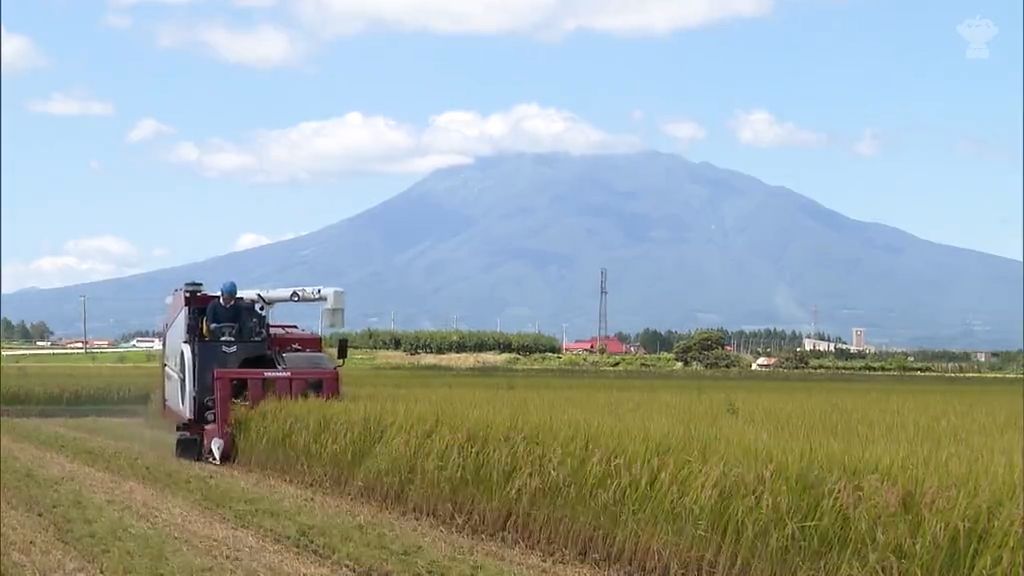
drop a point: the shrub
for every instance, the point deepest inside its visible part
(451, 341)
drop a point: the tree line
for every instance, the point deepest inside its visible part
(22, 331)
(129, 336)
(449, 341)
(749, 342)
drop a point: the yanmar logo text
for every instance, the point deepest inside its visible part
(277, 373)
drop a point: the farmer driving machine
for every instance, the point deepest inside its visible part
(208, 370)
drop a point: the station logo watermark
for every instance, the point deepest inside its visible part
(978, 32)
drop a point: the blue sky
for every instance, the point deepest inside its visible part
(138, 134)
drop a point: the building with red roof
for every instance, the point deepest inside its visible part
(611, 345)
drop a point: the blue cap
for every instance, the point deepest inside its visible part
(229, 289)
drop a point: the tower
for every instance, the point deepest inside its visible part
(602, 319)
(858, 337)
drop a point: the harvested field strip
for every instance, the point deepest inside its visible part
(310, 524)
(155, 438)
(236, 550)
(28, 545)
(108, 538)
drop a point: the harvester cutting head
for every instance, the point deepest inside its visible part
(208, 372)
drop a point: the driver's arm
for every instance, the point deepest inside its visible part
(210, 318)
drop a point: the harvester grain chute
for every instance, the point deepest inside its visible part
(209, 370)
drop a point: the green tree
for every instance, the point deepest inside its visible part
(8, 328)
(705, 349)
(21, 331)
(795, 360)
(40, 331)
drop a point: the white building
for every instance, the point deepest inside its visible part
(811, 344)
(150, 343)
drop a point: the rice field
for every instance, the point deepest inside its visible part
(76, 386)
(698, 475)
(616, 471)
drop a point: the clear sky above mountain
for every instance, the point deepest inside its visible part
(138, 134)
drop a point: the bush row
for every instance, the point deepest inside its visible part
(450, 341)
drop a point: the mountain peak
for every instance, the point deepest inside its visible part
(522, 237)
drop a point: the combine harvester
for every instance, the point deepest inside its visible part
(209, 369)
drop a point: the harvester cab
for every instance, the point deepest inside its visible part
(208, 370)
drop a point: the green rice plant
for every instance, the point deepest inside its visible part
(654, 474)
(77, 386)
(126, 356)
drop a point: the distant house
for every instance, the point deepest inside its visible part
(611, 345)
(636, 349)
(764, 363)
(150, 343)
(983, 356)
(92, 344)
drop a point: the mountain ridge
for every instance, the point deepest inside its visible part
(523, 236)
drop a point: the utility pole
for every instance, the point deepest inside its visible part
(563, 337)
(85, 335)
(392, 320)
(602, 314)
(499, 324)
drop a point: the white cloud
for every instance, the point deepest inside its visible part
(262, 46)
(761, 129)
(119, 20)
(869, 144)
(215, 159)
(540, 17)
(159, 252)
(18, 52)
(637, 115)
(147, 129)
(249, 240)
(81, 260)
(95, 165)
(254, 3)
(59, 104)
(686, 131)
(522, 128)
(107, 247)
(357, 142)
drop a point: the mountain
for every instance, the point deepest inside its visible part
(523, 237)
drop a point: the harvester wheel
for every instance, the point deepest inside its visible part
(188, 447)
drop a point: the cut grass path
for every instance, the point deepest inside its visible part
(116, 477)
(28, 545)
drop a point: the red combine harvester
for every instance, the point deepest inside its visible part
(208, 371)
